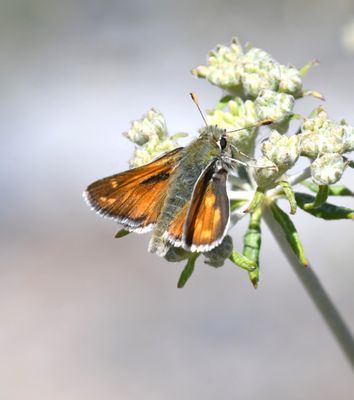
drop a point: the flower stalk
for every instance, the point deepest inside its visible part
(317, 293)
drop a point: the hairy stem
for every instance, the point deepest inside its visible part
(317, 293)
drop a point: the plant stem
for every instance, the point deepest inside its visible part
(317, 293)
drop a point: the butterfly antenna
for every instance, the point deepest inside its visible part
(259, 123)
(196, 102)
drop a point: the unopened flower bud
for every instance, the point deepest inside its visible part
(258, 72)
(290, 81)
(176, 254)
(152, 125)
(217, 256)
(282, 150)
(266, 173)
(153, 148)
(277, 107)
(327, 169)
(220, 70)
(321, 135)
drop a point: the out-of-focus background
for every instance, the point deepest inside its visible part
(84, 316)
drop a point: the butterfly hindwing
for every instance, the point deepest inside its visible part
(208, 214)
(135, 197)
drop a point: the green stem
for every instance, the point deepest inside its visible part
(317, 293)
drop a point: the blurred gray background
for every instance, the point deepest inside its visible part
(84, 316)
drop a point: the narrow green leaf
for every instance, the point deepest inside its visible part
(179, 135)
(121, 233)
(290, 231)
(333, 190)
(304, 70)
(235, 204)
(289, 193)
(295, 117)
(257, 200)
(242, 261)
(314, 93)
(188, 270)
(252, 244)
(321, 198)
(325, 211)
(350, 163)
(223, 102)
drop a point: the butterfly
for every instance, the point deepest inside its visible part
(181, 196)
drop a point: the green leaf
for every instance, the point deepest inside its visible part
(304, 70)
(257, 200)
(121, 233)
(314, 93)
(242, 261)
(179, 135)
(252, 244)
(188, 270)
(289, 193)
(333, 190)
(290, 231)
(325, 211)
(321, 198)
(235, 204)
(223, 102)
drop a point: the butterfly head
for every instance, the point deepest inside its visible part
(219, 137)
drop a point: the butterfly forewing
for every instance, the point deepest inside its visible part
(135, 197)
(208, 214)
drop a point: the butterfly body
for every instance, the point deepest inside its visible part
(181, 196)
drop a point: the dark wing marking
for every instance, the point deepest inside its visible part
(135, 197)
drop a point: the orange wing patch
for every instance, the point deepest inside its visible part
(208, 216)
(175, 230)
(135, 197)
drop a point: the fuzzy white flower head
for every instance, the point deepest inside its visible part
(266, 172)
(327, 169)
(151, 126)
(258, 71)
(321, 135)
(277, 107)
(152, 149)
(282, 150)
(220, 70)
(290, 81)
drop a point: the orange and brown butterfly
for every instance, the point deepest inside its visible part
(181, 196)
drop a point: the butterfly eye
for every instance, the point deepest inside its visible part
(223, 143)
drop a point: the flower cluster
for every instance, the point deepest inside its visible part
(256, 88)
(325, 141)
(151, 138)
(247, 74)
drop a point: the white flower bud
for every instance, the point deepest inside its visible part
(258, 71)
(266, 172)
(152, 149)
(275, 106)
(327, 169)
(290, 81)
(220, 70)
(321, 135)
(282, 150)
(151, 125)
